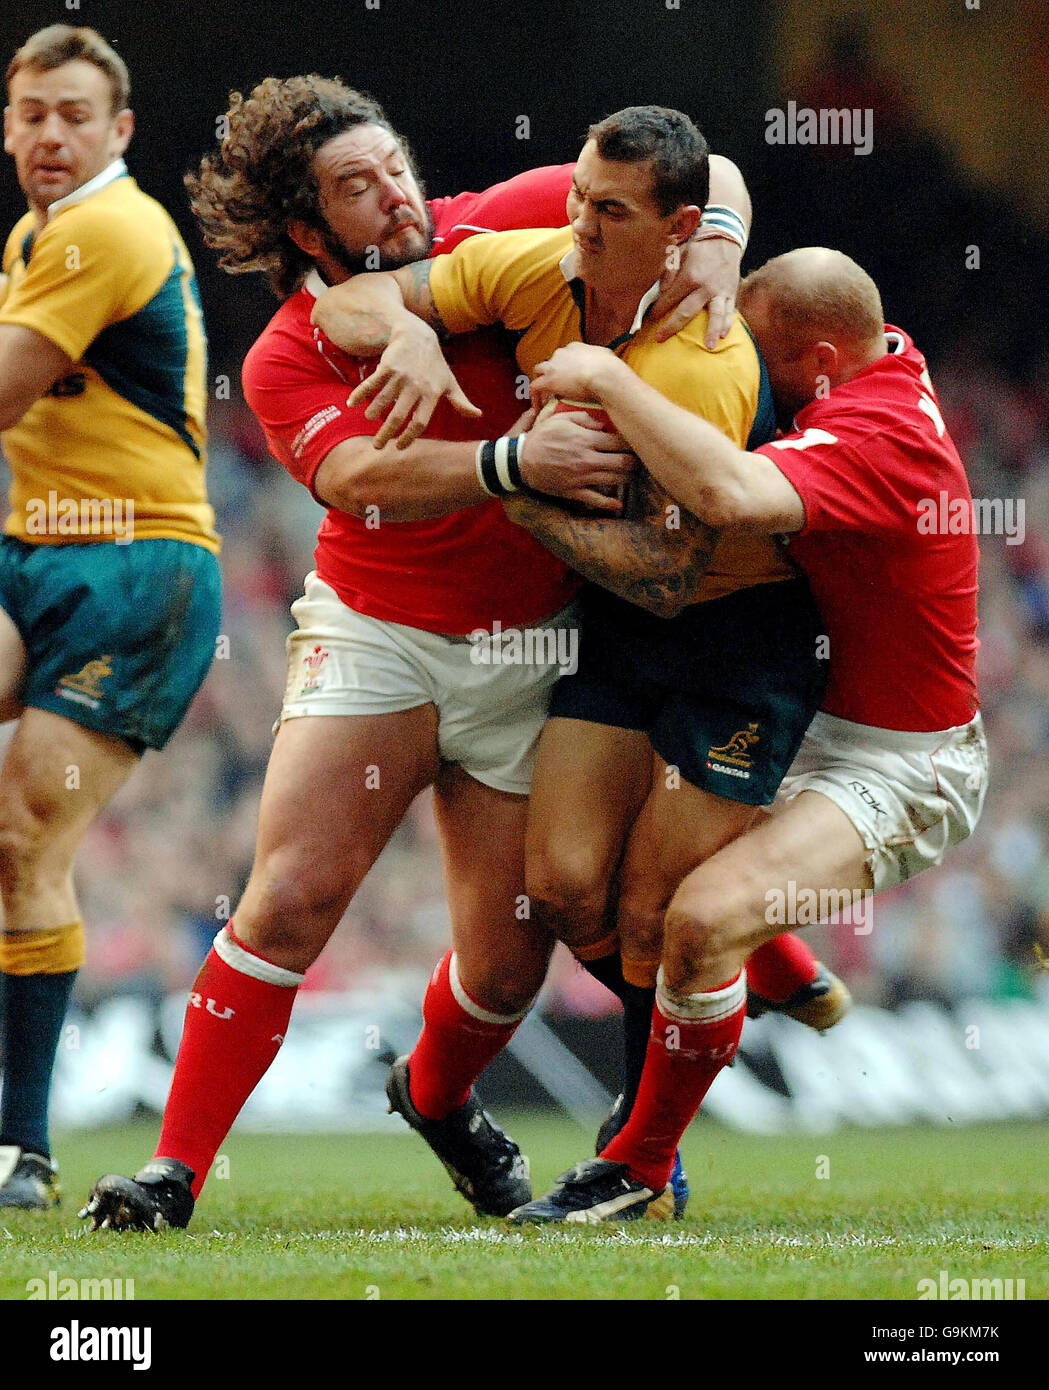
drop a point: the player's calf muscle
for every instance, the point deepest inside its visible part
(22, 839)
(27, 874)
(713, 923)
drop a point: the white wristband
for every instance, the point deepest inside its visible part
(502, 463)
(497, 466)
(480, 469)
(718, 220)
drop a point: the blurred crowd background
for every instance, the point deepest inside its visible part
(161, 868)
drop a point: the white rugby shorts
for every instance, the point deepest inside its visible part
(490, 712)
(911, 796)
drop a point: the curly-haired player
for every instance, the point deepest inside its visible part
(384, 696)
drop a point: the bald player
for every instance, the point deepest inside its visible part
(893, 770)
(638, 777)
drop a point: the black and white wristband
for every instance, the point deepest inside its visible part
(721, 221)
(498, 465)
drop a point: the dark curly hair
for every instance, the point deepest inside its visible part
(261, 178)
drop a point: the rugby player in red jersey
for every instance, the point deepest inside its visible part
(893, 769)
(310, 187)
(681, 656)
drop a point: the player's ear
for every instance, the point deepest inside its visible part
(7, 129)
(123, 129)
(683, 223)
(305, 237)
(828, 360)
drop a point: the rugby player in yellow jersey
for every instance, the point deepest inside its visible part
(696, 681)
(109, 581)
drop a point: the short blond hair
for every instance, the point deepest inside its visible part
(815, 293)
(64, 43)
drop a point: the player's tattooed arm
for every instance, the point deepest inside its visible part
(655, 556)
(414, 282)
(363, 314)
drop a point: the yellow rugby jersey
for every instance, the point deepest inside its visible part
(525, 280)
(110, 282)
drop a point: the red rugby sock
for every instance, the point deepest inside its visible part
(458, 1040)
(685, 1055)
(236, 1020)
(781, 967)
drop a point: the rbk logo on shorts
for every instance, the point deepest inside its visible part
(312, 664)
(865, 794)
(733, 757)
(84, 687)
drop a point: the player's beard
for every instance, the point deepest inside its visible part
(354, 262)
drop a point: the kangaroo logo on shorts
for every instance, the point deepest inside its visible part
(84, 687)
(313, 664)
(733, 757)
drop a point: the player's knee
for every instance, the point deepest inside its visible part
(504, 997)
(286, 944)
(23, 842)
(289, 914)
(568, 896)
(699, 936)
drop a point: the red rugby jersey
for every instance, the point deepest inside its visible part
(887, 545)
(453, 573)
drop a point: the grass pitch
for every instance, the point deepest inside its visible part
(374, 1216)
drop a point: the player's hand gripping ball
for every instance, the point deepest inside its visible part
(603, 421)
